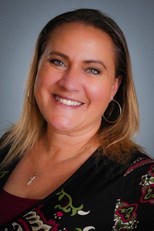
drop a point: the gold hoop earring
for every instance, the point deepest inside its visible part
(111, 113)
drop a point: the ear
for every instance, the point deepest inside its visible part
(115, 87)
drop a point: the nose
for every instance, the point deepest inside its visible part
(71, 80)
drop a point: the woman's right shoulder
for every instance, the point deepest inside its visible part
(3, 148)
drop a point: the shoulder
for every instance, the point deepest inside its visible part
(138, 179)
(5, 145)
(135, 201)
(139, 162)
(136, 163)
(3, 152)
(139, 173)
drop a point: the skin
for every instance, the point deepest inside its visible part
(74, 85)
(78, 64)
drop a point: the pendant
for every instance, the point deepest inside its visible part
(31, 179)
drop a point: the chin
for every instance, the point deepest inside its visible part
(61, 125)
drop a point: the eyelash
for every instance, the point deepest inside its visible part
(57, 62)
(93, 71)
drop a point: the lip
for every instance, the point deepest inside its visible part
(67, 101)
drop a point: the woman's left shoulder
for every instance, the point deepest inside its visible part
(135, 202)
(139, 163)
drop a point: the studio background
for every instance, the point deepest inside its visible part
(20, 24)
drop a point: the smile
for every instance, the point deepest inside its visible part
(67, 102)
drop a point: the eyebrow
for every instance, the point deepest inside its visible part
(90, 61)
(95, 61)
(59, 54)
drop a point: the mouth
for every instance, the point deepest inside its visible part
(68, 102)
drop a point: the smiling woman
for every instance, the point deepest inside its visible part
(77, 80)
(70, 160)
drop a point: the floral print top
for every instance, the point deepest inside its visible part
(101, 195)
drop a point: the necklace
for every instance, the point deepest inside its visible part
(32, 179)
(35, 175)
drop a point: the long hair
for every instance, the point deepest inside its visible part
(115, 138)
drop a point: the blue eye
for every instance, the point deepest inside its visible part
(57, 62)
(93, 71)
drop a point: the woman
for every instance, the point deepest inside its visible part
(70, 163)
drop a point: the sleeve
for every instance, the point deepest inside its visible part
(134, 208)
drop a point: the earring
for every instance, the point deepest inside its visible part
(112, 115)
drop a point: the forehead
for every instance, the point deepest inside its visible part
(81, 43)
(82, 35)
(78, 27)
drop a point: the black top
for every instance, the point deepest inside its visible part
(101, 195)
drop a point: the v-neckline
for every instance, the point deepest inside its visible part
(90, 159)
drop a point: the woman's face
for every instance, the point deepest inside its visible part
(76, 78)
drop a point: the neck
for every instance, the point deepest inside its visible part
(64, 146)
(60, 150)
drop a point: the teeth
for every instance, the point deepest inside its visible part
(68, 102)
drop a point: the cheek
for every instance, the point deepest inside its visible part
(100, 94)
(44, 75)
(41, 79)
(43, 82)
(37, 88)
(40, 87)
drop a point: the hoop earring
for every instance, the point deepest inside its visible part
(110, 112)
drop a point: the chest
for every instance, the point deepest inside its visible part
(25, 182)
(81, 202)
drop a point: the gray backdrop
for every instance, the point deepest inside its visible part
(22, 20)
